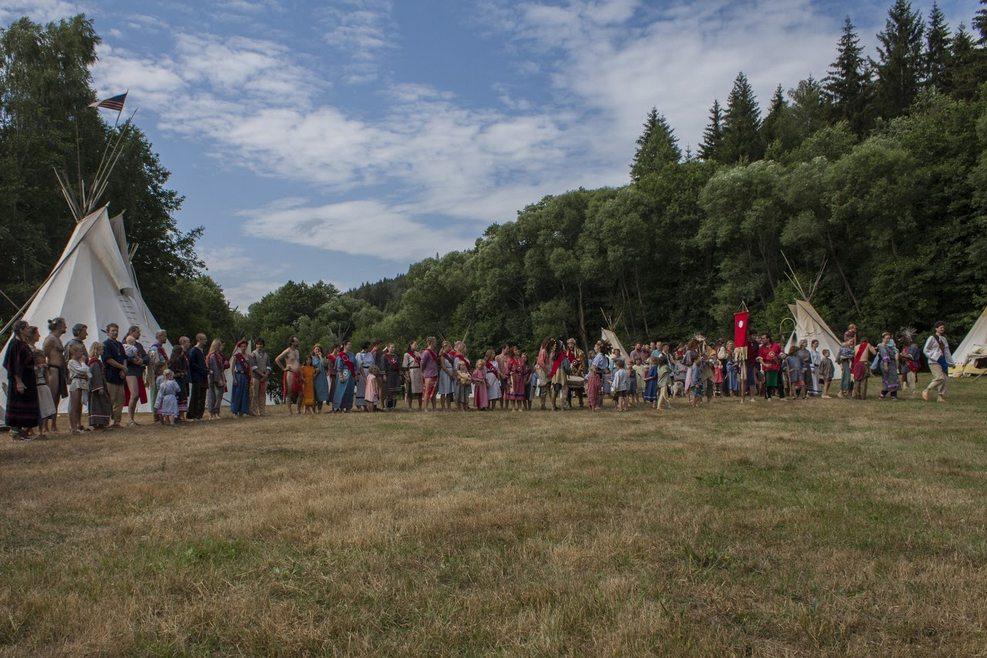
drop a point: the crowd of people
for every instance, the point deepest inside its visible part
(189, 381)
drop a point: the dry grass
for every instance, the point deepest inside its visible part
(825, 527)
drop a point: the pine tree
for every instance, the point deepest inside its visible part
(709, 149)
(980, 22)
(741, 124)
(936, 49)
(656, 147)
(962, 72)
(848, 84)
(771, 128)
(899, 71)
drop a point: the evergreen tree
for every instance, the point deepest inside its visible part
(980, 22)
(936, 49)
(965, 63)
(899, 70)
(848, 84)
(771, 128)
(709, 149)
(741, 124)
(808, 109)
(657, 147)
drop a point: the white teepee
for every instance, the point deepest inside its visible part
(809, 326)
(93, 282)
(972, 349)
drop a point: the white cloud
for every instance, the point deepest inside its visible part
(244, 279)
(361, 30)
(353, 227)
(38, 10)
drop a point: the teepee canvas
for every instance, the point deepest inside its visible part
(971, 354)
(93, 282)
(610, 337)
(809, 326)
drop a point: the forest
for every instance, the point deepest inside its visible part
(873, 178)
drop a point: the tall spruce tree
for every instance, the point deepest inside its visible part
(900, 68)
(657, 147)
(980, 22)
(709, 149)
(848, 84)
(741, 124)
(965, 64)
(776, 115)
(937, 52)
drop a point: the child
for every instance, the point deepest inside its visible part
(78, 385)
(706, 372)
(695, 379)
(718, 377)
(680, 372)
(480, 385)
(826, 370)
(46, 404)
(463, 383)
(167, 403)
(130, 347)
(372, 392)
(100, 407)
(620, 384)
(308, 387)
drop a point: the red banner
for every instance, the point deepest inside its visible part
(740, 320)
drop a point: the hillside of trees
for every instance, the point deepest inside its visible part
(878, 171)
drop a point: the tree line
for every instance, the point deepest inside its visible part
(875, 175)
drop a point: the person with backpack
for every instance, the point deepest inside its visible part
(937, 352)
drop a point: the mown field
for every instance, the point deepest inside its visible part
(826, 527)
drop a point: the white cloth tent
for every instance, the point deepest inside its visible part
(972, 349)
(93, 282)
(610, 337)
(809, 326)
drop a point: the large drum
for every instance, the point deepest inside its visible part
(576, 382)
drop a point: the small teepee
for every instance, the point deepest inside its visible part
(808, 324)
(971, 354)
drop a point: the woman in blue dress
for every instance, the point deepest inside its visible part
(345, 377)
(651, 382)
(240, 398)
(320, 381)
(447, 386)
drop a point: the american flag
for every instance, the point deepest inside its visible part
(115, 103)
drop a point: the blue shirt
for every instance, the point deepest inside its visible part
(113, 350)
(197, 371)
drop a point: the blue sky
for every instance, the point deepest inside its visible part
(344, 139)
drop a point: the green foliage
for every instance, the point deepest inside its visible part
(849, 85)
(657, 147)
(899, 70)
(742, 140)
(937, 53)
(713, 135)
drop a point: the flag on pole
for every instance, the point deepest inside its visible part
(115, 103)
(740, 328)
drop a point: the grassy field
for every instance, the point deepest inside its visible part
(825, 527)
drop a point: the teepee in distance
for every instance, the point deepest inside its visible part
(93, 281)
(809, 325)
(971, 354)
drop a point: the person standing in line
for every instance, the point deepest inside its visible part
(216, 365)
(816, 359)
(240, 374)
(178, 364)
(260, 372)
(157, 362)
(78, 386)
(56, 372)
(320, 382)
(480, 385)
(411, 366)
(79, 334)
(937, 353)
(862, 356)
(342, 400)
(430, 374)
(100, 407)
(363, 360)
(135, 375)
(392, 377)
(198, 375)
(826, 370)
(115, 363)
(492, 377)
(291, 381)
(597, 370)
(23, 412)
(845, 359)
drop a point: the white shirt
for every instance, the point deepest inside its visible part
(933, 352)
